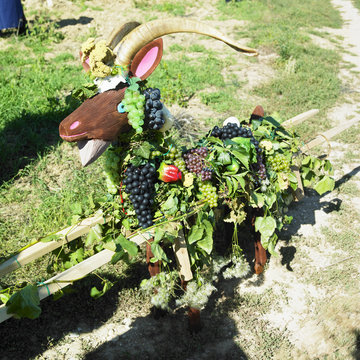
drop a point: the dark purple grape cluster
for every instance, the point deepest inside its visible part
(154, 115)
(260, 170)
(206, 174)
(195, 162)
(232, 130)
(139, 182)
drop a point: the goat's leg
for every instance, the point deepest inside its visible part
(260, 252)
(153, 268)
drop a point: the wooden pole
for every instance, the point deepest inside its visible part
(325, 136)
(298, 119)
(41, 248)
(76, 272)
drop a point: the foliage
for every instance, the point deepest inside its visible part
(181, 205)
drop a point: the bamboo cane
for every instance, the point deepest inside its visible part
(41, 248)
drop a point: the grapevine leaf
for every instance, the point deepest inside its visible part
(240, 179)
(206, 244)
(110, 245)
(170, 205)
(325, 184)
(270, 199)
(117, 256)
(144, 150)
(25, 303)
(195, 234)
(224, 158)
(159, 253)
(95, 293)
(215, 140)
(4, 298)
(95, 235)
(77, 256)
(258, 199)
(266, 226)
(229, 185)
(292, 177)
(243, 156)
(126, 244)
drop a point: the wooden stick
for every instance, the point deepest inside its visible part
(182, 258)
(299, 192)
(41, 248)
(76, 272)
(298, 119)
(321, 138)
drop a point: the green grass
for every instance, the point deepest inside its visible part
(32, 93)
(356, 3)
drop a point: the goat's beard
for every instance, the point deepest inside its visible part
(90, 150)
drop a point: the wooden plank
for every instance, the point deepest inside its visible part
(298, 119)
(41, 248)
(321, 138)
(182, 258)
(77, 272)
(299, 192)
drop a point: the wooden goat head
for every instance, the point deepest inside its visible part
(97, 117)
(135, 48)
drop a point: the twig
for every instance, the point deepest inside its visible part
(338, 262)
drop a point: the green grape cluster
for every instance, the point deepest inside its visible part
(209, 192)
(111, 172)
(134, 104)
(180, 164)
(279, 163)
(174, 153)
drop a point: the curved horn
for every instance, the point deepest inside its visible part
(143, 34)
(118, 33)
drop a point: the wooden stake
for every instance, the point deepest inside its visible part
(298, 119)
(76, 272)
(41, 248)
(321, 138)
(182, 259)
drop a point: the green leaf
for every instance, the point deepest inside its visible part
(25, 303)
(95, 293)
(159, 253)
(77, 256)
(325, 184)
(224, 158)
(94, 236)
(270, 199)
(4, 298)
(144, 150)
(170, 205)
(206, 244)
(229, 185)
(126, 244)
(215, 140)
(241, 179)
(258, 199)
(266, 226)
(196, 233)
(243, 156)
(118, 256)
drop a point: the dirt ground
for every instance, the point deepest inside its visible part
(306, 305)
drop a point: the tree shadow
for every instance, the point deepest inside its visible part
(28, 136)
(357, 345)
(83, 20)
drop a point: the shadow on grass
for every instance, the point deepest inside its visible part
(82, 20)
(28, 136)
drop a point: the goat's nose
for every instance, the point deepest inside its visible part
(74, 125)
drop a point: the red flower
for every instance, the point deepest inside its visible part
(169, 173)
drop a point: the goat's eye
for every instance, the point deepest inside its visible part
(120, 108)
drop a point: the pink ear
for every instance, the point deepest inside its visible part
(147, 59)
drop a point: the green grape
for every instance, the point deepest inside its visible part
(210, 193)
(180, 164)
(279, 163)
(134, 104)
